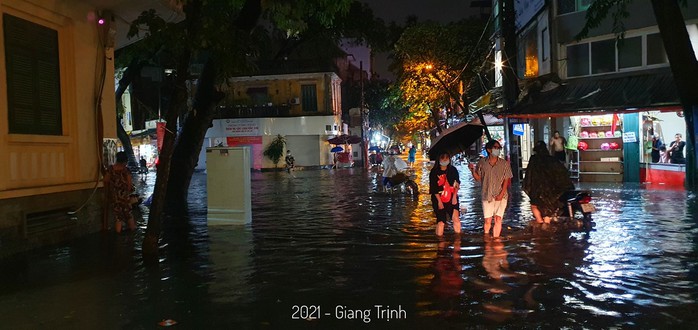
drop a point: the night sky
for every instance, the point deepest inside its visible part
(436, 10)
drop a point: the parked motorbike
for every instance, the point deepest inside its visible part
(404, 182)
(578, 206)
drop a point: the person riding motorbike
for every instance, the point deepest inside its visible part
(545, 181)
(393, 167)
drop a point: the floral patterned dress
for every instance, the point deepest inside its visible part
(119, 192)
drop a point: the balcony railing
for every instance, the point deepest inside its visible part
(246, 111)
(240, 111)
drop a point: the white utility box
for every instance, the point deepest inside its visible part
(228, 185)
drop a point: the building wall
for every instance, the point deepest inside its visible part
(286, 90)
(641, 15)
(257, 133)
(38, 172)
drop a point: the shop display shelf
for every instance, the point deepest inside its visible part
(600, 138)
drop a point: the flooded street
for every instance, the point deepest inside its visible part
(326, 250)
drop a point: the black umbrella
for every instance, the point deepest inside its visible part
(455, 139)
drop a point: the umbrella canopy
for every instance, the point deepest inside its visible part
(375, 148)
(337, 149)
(455, 139)
(345, 139)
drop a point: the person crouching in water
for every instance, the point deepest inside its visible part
(546, 180)
(444, 182)
(119, 185)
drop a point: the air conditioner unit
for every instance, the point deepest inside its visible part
(295, 100)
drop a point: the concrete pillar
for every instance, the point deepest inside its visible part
(228, 184)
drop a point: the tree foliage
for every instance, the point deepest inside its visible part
(222, 37)
(433, 60)
(275, 149)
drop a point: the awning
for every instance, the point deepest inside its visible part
(485, 102)
(634, 91)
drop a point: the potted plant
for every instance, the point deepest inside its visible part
(275, 149)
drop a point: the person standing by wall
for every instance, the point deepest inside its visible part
(495, 175)
(290, 161)
(444, 182)
(656, 145)
(676, 150)
(119, 185)
(557, 147)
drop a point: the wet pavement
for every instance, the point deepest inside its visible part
(327, 251)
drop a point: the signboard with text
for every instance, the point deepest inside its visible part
(629, 137)
(241, 127)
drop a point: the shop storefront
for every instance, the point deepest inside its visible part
(612, 120)
(616, 147)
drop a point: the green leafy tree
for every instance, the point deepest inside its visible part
(682, 59)
(275, 149)
(433, 61)
(225, 37)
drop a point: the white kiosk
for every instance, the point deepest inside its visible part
(228, 185)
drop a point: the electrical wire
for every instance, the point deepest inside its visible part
(472, 53)
(101, 60)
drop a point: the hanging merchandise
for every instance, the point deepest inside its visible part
(600, 148)
(583, 145)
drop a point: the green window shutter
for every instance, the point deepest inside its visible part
(309, 98)
(33, 77)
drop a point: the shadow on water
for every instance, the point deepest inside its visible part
(326, 249)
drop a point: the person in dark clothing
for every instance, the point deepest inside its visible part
(290, 161)
(444, 182)
(546, 180)
(676, 150)
(656, 146)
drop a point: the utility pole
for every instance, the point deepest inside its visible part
(364, 121)
(510, 86)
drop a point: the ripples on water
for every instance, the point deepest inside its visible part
(327, 238)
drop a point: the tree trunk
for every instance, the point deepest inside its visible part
(134, 68)
(190, 140)
(436, 118)
(684, 68)
(126, 142)
(177, 104)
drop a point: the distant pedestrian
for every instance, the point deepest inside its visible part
(389, 169)
(412, 155)
(290, 161)
(495, 175)
(119, 185)
(444, 182)
(656, 146)
(557, 147)
(143, 168)
(676, 150)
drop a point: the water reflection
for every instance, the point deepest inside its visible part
(328, 238)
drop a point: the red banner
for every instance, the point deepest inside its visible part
(243, 140)
(160, 133)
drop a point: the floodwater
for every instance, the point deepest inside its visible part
(326, 251)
